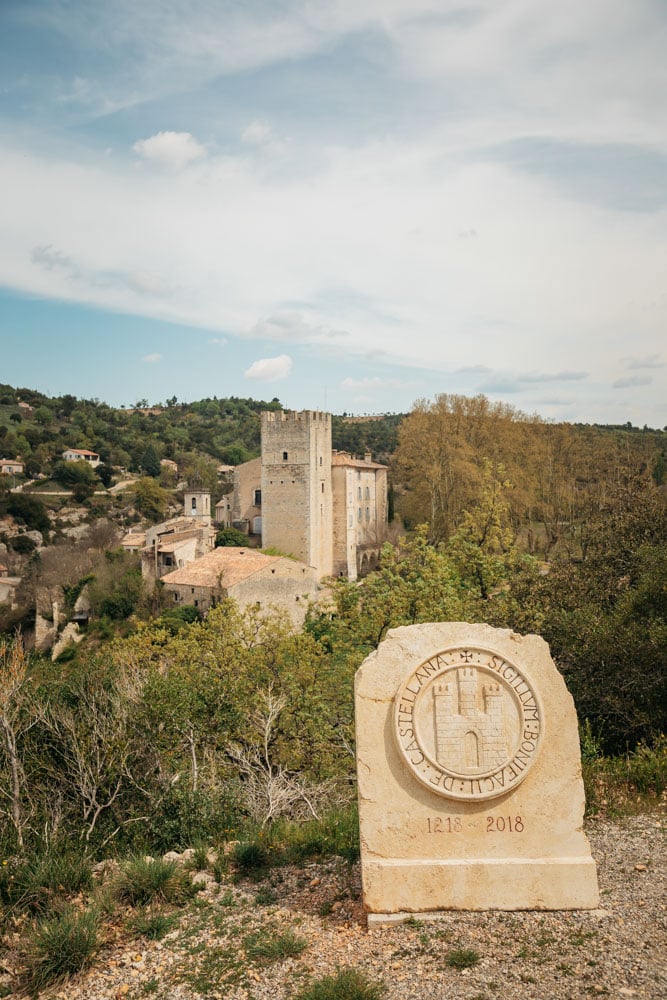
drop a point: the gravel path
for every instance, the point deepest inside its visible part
(215, 952)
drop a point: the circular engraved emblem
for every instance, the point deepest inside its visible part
(468, 724)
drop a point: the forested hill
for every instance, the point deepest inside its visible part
(37, 428)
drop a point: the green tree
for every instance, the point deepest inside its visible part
(150, 462)
(230, 537)
(150, 499)
(74, 473)
(606, 617)
(483, 545)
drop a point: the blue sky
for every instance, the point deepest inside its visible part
(345, 205)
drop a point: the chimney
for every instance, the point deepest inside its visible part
(367, 458)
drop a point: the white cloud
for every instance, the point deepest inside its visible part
(256, 133)
(152, 358)
(417, 248)
(292, 326)
(218, 341)
(170, 149)
(270, 369)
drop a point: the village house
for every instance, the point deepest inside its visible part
(250, 577)
(11, 467)
(175, 543)
(81, 455)
(359, 488)
(223, 512)
(8, 585)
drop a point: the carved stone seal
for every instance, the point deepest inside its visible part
(468, 724)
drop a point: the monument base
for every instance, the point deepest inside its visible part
(396, 889)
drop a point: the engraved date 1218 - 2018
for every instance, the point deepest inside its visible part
(463, 824)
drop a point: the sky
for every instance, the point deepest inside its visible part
(345, 205)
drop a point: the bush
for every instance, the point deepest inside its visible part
(231, 537)
(260, 947)
(35, 884)
(62, 946)
(631, 783)
(462, 958)
(23, 545)
(29, 511)
(154, 926)
(336, 834)
(249, 856)
(145, 880)
(347, 984)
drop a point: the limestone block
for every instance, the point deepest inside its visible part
(469, 772)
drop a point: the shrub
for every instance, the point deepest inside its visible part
(250, 855)
(145, 880)
(336, 834)
(22, 544)
(153, 926)
(347, 984)
(620, 786)
(462, 958)
(262, 948)
(34, 884)
(62, 946)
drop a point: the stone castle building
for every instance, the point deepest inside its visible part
(469, 739)
(325, 508)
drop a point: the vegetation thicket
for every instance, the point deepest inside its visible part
(163, 731)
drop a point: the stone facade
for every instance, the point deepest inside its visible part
(246, 499)
(359, 513)
(171, 544)
(251, 578)
(297, 506)
(197, 505)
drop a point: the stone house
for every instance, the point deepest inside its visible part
(8, 587)
(246, 499)
(251, 578)
(171, 545)
(359, 489)
(81, 455)
(11, 467)
(223, 512)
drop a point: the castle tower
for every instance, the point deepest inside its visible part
(297, 505)
(467, 691)
(197, 504)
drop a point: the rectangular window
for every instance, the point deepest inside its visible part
(284, 456)
(368, 513)
(359, 514)
(258, 498)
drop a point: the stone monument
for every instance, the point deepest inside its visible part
(469, 770)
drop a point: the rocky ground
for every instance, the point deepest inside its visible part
(253, 940)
